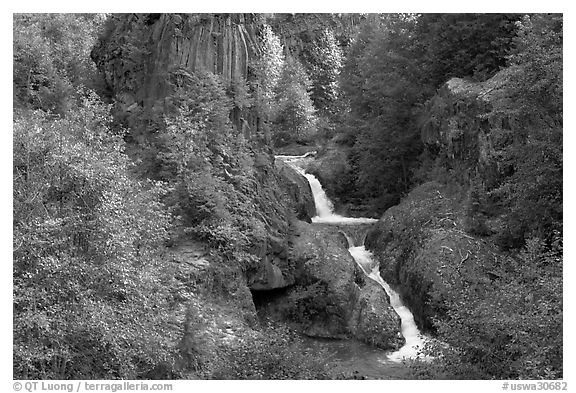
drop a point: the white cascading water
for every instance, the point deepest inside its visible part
(408, 328)
(324, 207)
(364, 259)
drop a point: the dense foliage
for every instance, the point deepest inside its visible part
(506, 328)
(463, 45)
(88, 295)
(382, 89)
(531, 141)
(51, 58)
(95, 205)
(295, 117)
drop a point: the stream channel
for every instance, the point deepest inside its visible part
(353, 355)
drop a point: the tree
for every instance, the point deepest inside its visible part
(88, 299)
(323, 59)
(267, 71)
(463, 45)
(51, 58)
(531, 143)
(382, 88)
(295, 119)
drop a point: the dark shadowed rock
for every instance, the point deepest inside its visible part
(330, 297)
(299, 191)
(137, 53)
(454, 126)
(424, 251)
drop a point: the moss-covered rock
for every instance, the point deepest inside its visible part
(298, 189)
(456, 127)
(425, 253)
(373, 320)
(330, 297)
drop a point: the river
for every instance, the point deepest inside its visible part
(352, 354)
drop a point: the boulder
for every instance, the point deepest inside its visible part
(270, 276)
(298, 190)
(330, 297)
(373, 320)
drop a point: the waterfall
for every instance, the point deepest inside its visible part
(413, 337)
(324, 206)
(363, 257)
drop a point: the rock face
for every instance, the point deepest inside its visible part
(424, 252)
(285, 195)
(456, 129)
(137, 53)
(330, 297)
(298, 189)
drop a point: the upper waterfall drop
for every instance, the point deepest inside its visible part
(324, 206)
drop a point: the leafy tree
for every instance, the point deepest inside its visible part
(51, 58)
(295, 119)
(268, 70)
(324, 60)
(88, 299)
(530, 113)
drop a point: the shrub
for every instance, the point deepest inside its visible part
(506, 328)
(88, 295)
(277, 354)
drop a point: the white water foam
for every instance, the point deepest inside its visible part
(324, 206)
(414, 339)
(363, 257)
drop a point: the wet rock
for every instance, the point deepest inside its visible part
(298, 189)
(325, 300)
(373, 320)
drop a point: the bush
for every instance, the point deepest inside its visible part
(90, 294)
(507, 328)
(51, 58)
(277, 354)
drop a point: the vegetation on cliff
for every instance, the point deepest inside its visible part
(97, 198)
(147, 200)
(477, 248)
